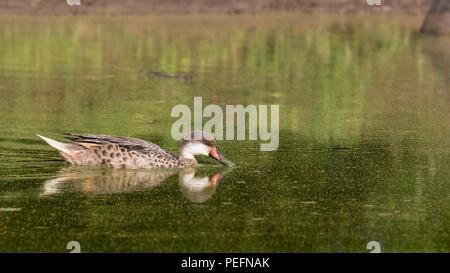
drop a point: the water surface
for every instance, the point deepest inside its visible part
(364, 134)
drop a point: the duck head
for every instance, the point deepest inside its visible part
(201, 143)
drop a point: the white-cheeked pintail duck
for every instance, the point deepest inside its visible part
(133, 153)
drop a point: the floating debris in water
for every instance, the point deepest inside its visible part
(308, 202)
(187, 77)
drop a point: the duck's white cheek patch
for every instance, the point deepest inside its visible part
(196, 149)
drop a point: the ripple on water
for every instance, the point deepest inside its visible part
(10, 209)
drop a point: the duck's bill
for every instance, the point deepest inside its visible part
(227, 162)
(219, 157)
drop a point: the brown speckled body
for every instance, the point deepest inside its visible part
(120, 152)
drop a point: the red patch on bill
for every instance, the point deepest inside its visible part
(215, 154)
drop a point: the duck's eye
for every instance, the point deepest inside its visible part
(203, 140)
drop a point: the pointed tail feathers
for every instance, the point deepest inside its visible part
(55, 144)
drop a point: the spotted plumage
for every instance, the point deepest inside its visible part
(127, 152)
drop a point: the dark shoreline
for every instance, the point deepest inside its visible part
(142, 7)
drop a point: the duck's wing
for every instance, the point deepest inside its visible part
(128, 143)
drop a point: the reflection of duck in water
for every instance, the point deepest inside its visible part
(133, 153)
(88, 180)
(198, 189)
